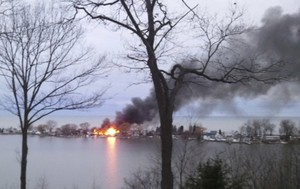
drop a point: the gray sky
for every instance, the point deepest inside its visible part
(122, 90)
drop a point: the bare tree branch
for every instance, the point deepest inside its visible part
(44, 67)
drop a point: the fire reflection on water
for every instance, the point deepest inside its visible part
(111, 160)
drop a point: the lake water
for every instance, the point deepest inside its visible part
(68, 163)
(74, 162)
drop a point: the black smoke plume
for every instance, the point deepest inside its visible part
(139, 111)
(278, 39)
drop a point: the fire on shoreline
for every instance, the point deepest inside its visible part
(111, 131)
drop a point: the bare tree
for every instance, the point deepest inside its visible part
(266, 168)
(186, 156)
(257, 128)
(84, 127)
(150, 22)
(267, 126)
(68, 129)
(43, 68)
(4, 8)
(287, 128)
(42, 128)
(51, 125)
(42, 183)
(143, 179)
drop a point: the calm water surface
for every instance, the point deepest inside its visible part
(74, 162)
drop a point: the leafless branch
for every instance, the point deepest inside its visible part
(38, 63)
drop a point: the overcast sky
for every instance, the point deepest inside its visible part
(113, 45)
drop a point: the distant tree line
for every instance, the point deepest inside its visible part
(69, 129)
(256, 129)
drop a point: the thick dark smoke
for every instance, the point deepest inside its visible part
(278, 39)
(139, 111)
(280, 36)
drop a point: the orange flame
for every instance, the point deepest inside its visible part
(111, 132)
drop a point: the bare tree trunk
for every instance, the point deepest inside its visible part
(166, 121)
(24, 159)
(166, 152)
